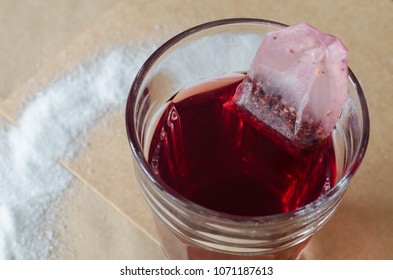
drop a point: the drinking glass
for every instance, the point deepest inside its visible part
(190, 231)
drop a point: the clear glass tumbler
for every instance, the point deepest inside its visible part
(187, 230)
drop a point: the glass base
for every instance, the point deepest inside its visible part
(176, 248)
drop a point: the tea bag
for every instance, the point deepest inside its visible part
(297, 83)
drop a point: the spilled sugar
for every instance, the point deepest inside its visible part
(51, 128)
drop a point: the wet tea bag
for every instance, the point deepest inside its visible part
(297, 84)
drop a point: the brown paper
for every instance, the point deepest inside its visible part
(91, 228)
(362, 227)
(33, 32)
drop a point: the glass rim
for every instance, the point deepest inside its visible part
(167, 191)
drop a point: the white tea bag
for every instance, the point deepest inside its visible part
(297, 83)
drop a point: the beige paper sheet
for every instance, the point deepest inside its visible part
(362, 227)
(33, 32)
(91, 228)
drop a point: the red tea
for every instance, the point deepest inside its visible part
(217, 155)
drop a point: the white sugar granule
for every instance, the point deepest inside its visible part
(51, 128)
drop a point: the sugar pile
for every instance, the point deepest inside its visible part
(51, 128)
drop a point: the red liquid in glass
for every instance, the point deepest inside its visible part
(215, 154)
